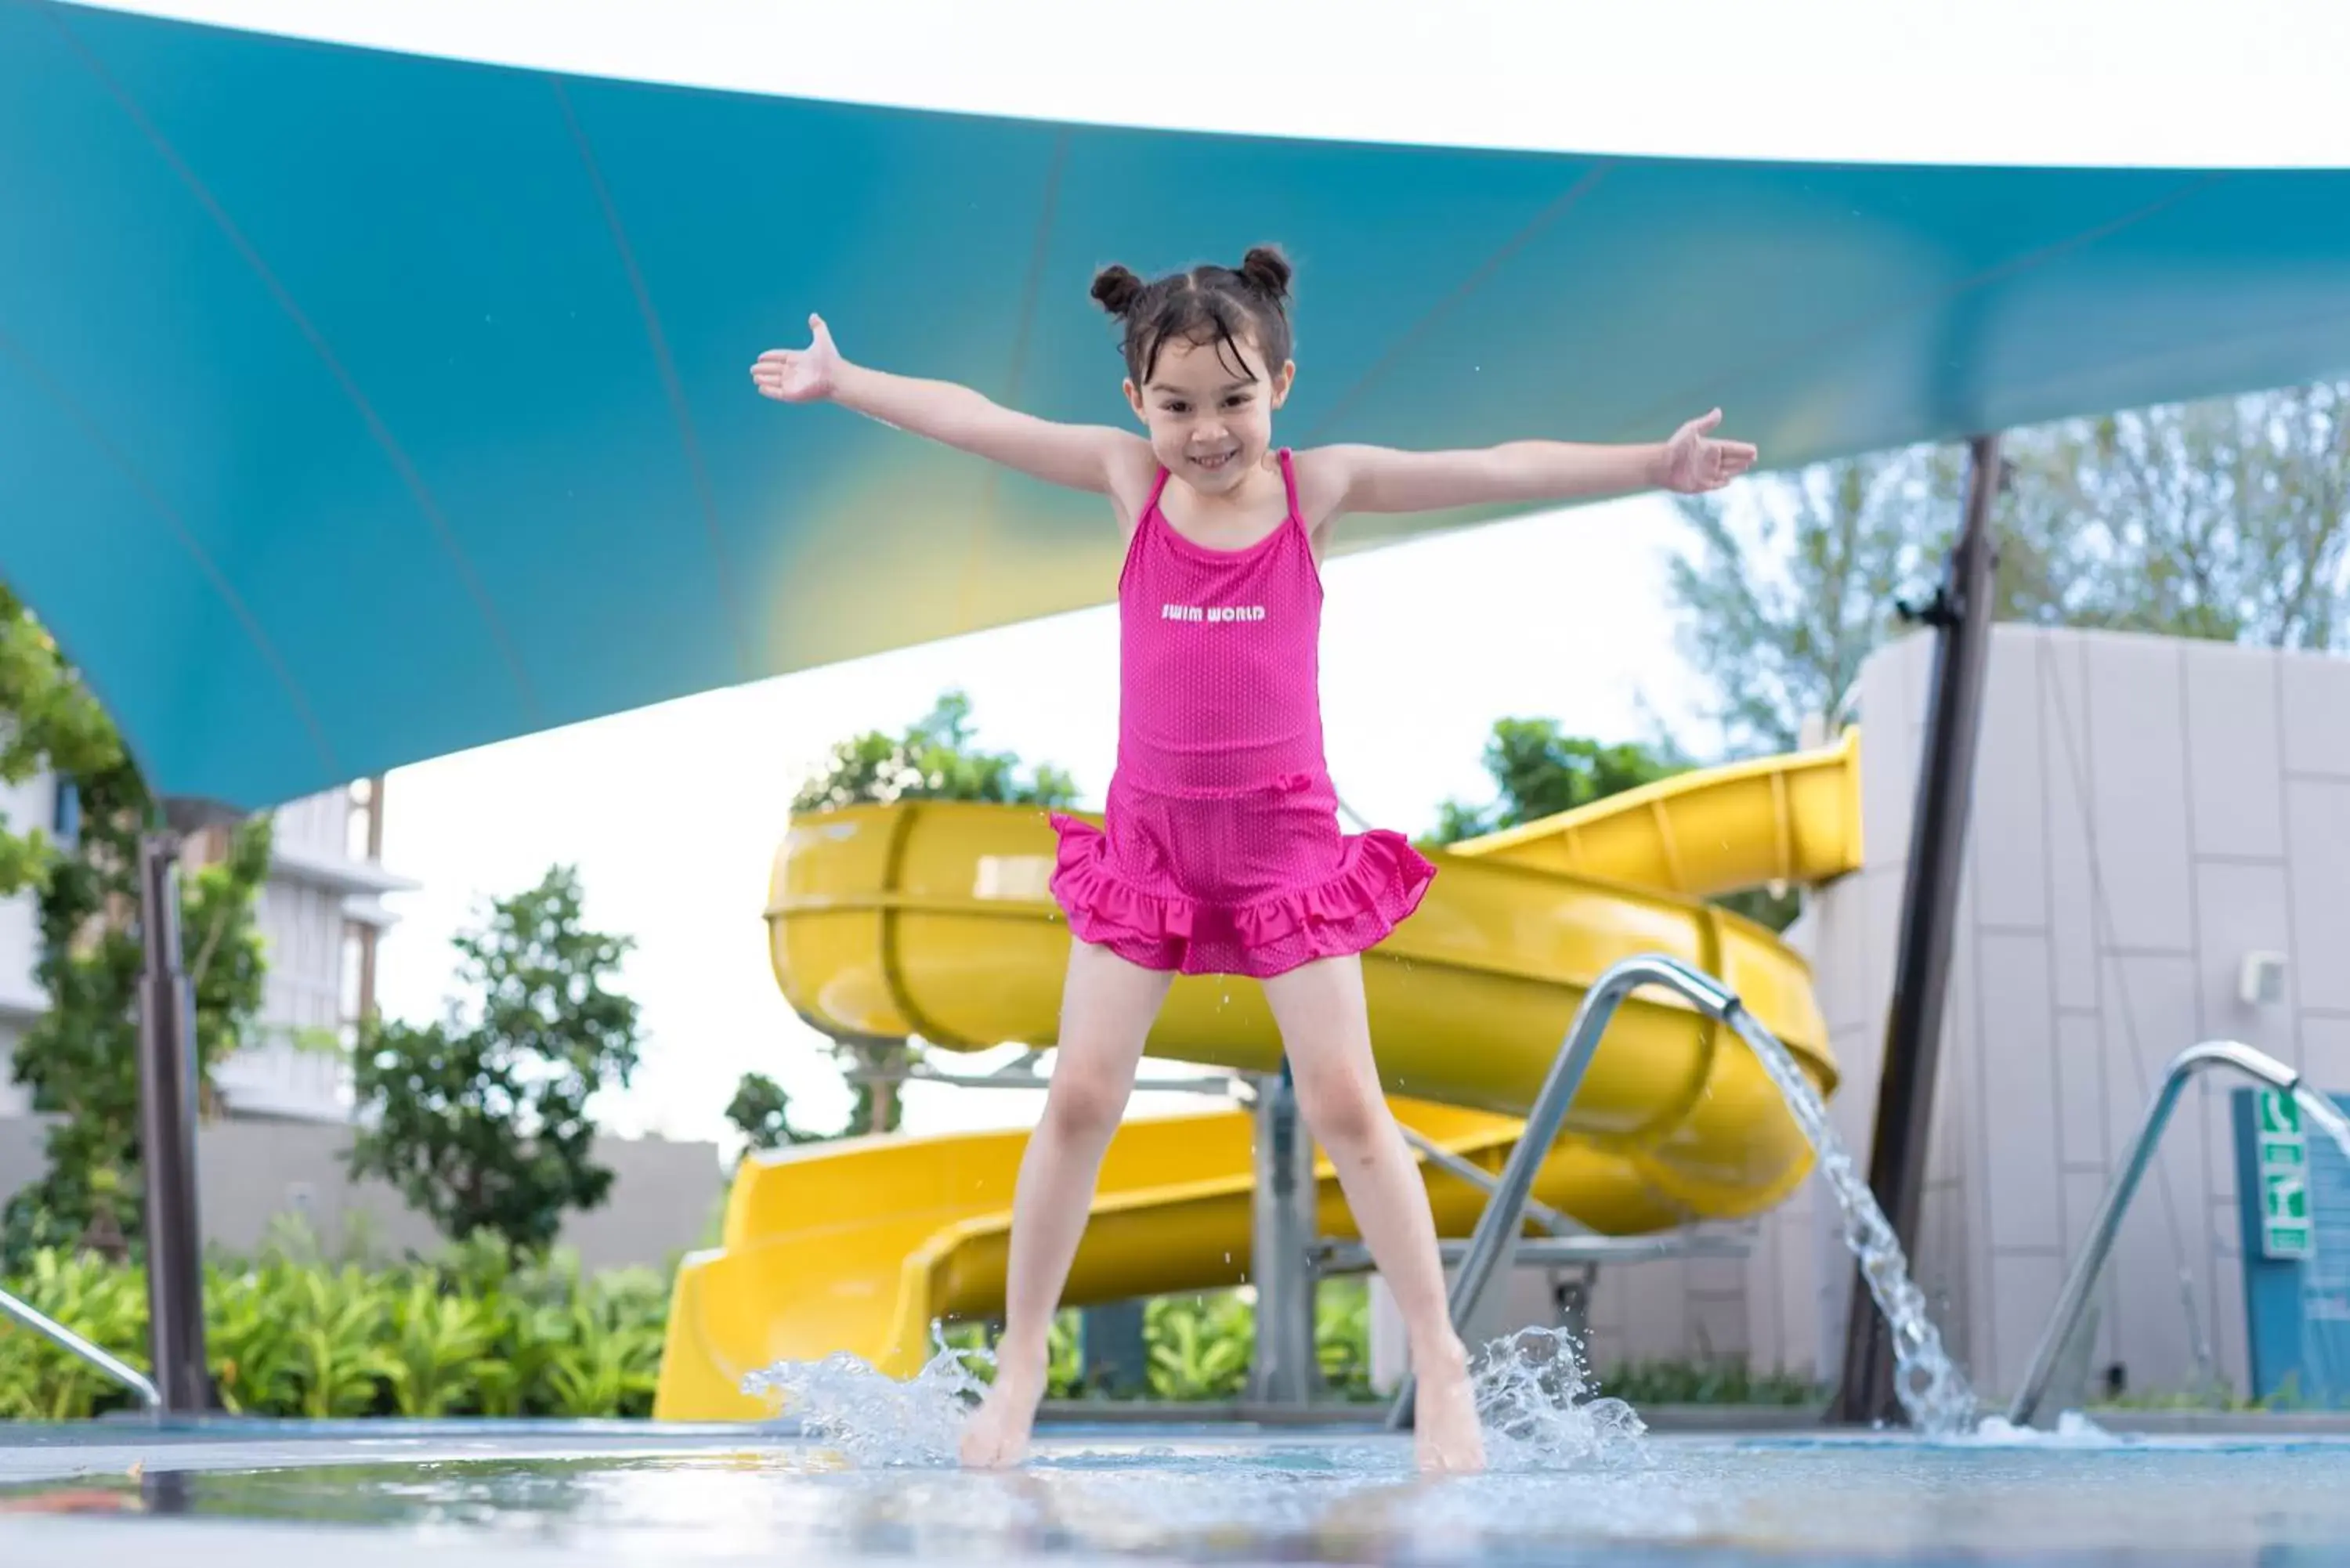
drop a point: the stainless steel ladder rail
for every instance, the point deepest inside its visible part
(2075, 1298)
(1505, 1211)
(75, 1345)
(1484, 1180)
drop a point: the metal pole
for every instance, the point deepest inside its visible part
(1961, 615)
(1485, 1181)
(1497, 1228)
(1284, 1371)
(369, 936)
(167, 1096)
(1112, 1354)
(2091, 1259)
(75, 1345)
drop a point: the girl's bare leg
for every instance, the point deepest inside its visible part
(1325, 1029)
(1107, 1009)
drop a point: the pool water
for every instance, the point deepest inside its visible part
(1116, 1494)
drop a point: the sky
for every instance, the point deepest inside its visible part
(672, 813)
(1980, 81)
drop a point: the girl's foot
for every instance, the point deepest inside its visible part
(996, 1436)
(1445, 1434)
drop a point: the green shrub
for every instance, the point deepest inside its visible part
(1200, 1346)
(1342, 1337)
(105, 1304)
(473, 1331)
(470, 1332)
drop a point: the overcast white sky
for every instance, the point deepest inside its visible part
(672, 813)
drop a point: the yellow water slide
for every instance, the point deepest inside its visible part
(933, 920)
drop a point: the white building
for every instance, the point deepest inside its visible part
(320, 915)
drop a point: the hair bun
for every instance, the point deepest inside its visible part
(1267, 268)
(1117, 289)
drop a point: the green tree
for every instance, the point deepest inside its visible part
(1538, 772)
(482, 1121)
(934, 758)
(761, 1111)
(1795, 579)
(2227, 518)
(79, 1058)
(51, 720)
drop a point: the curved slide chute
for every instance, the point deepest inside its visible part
(933, 920)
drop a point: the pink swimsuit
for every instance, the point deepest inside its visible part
(1222, 853)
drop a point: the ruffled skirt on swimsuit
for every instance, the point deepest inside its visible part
(1250, 883)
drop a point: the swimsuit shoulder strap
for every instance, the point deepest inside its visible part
(1289, 486)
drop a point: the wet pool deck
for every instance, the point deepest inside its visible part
(113, 1447)
(476, 1494)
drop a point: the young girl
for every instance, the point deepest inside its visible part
(1222, 852)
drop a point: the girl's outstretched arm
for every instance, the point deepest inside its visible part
(1380, 479)
(1093, 458)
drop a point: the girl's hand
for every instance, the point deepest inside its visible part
(1693, 462)
(799, 374)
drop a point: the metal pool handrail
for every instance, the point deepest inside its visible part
(1505, 1211)
(2075, 1298)
(75, 1345)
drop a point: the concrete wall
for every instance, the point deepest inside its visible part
(21, 1159)
(2148, 812)
(663, 1194)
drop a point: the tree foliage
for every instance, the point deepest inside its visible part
(1538, 771)
(482, 1120)
(761, 1111)
(934, 758)
(2227, 518)
(80, 1059)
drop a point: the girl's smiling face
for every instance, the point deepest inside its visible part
(1208, 409)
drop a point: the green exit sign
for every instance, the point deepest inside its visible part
(2284, 1196)
(2284, 1177)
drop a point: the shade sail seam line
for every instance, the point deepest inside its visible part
(1708, 393)
(672, 385)
(1559, 206)
(419, 492)
(983, 516)
(95, 433)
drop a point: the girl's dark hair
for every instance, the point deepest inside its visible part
(1217, 304)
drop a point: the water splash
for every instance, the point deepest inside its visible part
(1536, 1403)
(1933, 1392)
(872, 1419)
(2073, 1430)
